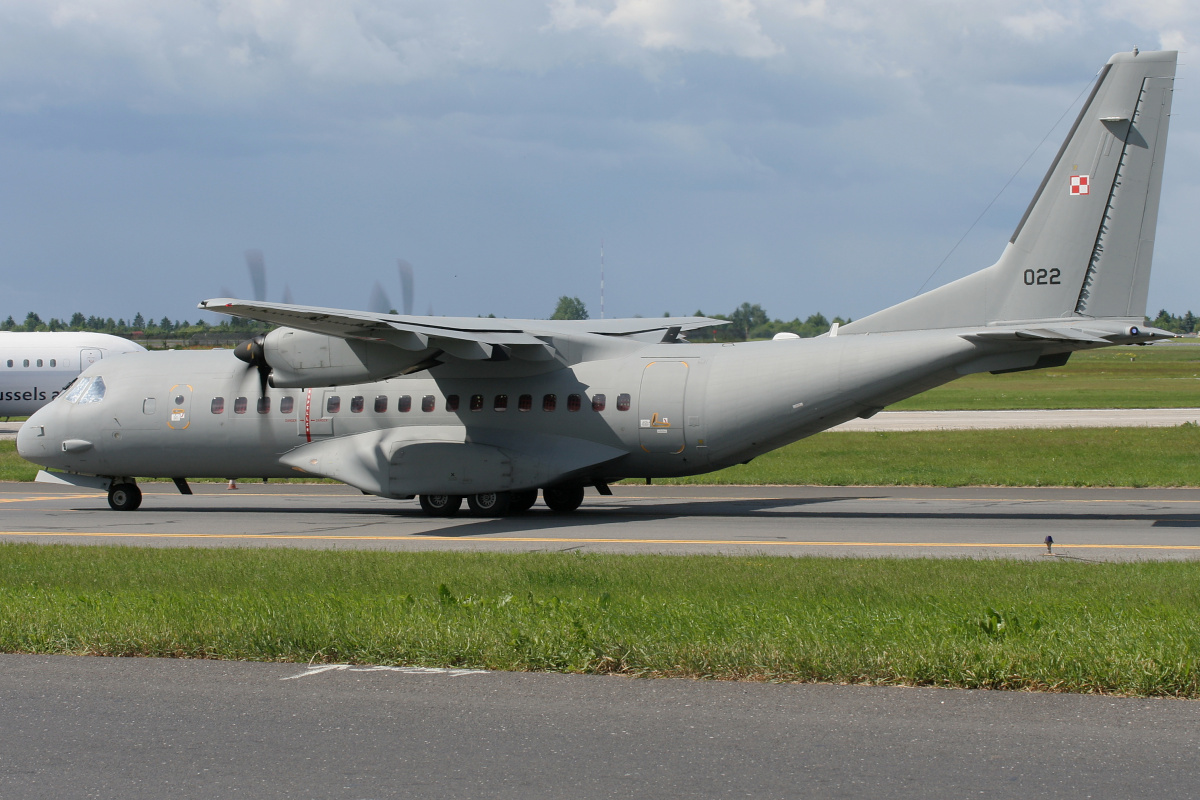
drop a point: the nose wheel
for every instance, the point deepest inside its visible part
(124, 496)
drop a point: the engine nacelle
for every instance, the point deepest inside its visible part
(300, 359)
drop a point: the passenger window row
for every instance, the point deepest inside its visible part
(40, 362)
(333, 403)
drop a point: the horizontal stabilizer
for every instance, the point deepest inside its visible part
(1072, 334)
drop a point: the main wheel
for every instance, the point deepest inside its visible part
(124, 496)
(563, 499)
(522, 501)
(441, 505)
(490, 504)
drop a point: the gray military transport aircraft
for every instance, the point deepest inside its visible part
(493, 410)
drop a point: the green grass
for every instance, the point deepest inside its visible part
(1052, 625)
(12, 466)
(1027, 457)
(1023, 457)
(1118, 377)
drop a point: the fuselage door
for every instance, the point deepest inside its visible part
(316, 418)
(87, 357)
(660, 407)
(179, 397)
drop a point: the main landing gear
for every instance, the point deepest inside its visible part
(560, 499)
(441, 505)
(124, 496)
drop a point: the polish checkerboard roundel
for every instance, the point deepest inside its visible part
(1079, 184)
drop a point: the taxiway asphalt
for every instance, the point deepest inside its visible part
(1089, 524)
(149, 728)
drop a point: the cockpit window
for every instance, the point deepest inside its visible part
(94, 392)
(77, 389)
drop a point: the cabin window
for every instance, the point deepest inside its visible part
(381, 404)
(333, 404)
(452, 402)
(148, 405)
(598, 402)
(10, 362)
(549, 402)
(500, 403)
(428, 403)
(239, 405)
(264, 405)
(286, 405)
(404, 403)
(25, 362)
(217, 406)
(356, 404)
(574, 402)
(525, 402)
(54, 362)
(39, 362)
(476, 402)
(622, 402)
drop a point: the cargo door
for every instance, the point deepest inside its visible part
(660, 407)
(315, 420)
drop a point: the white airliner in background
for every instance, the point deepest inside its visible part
(35, 367)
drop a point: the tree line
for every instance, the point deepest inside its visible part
(1175, 324)
(138, 327)
(747, 321)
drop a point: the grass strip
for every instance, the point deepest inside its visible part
(1161, 376)
(1126, 628)
(1138, 457)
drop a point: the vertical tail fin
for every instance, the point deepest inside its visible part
(1084, 246)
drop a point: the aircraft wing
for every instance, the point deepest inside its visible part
(469, 338)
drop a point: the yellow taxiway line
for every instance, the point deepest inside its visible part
(618, 499)
(574, 540)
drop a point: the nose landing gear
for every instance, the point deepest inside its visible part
(124, 496)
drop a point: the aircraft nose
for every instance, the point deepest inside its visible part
(38, 440)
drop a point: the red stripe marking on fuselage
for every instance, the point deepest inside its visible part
(308, 415)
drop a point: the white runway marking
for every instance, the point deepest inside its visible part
(319, 668)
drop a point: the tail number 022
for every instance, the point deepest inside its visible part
(1042, 277)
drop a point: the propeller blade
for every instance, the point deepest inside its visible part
(378, 303)
(258, 274)
(406, 285)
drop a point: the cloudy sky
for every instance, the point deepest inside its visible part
(808, 156)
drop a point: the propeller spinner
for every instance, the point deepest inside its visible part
(252, 352)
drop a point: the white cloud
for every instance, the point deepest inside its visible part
(727, 27)
(1039, 25)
